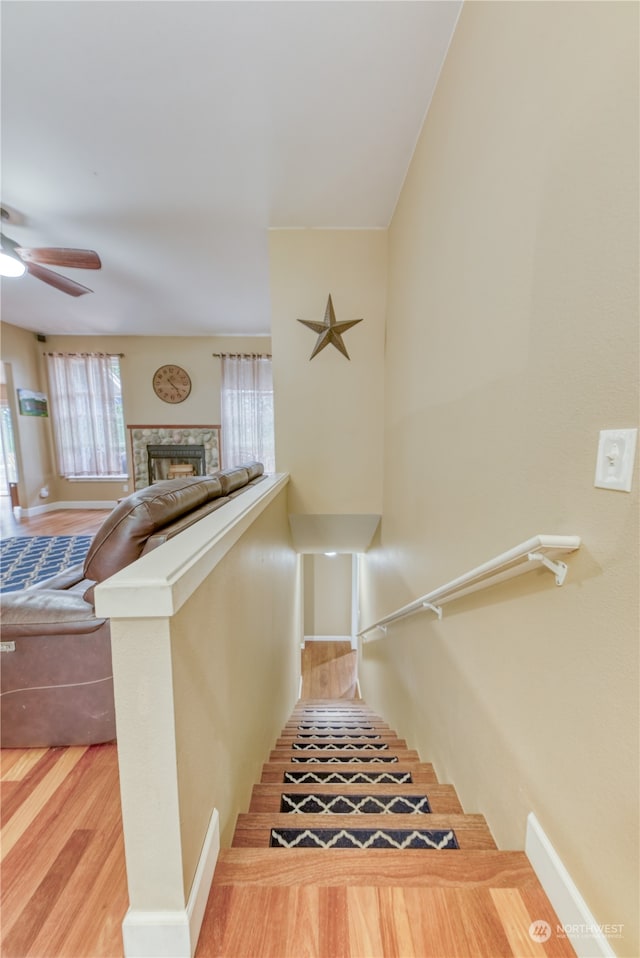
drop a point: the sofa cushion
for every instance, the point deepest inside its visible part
(184, 522)
(46, 612)
(254, 469)
(122, 536)
(232, 479)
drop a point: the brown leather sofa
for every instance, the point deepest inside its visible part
(56, 675)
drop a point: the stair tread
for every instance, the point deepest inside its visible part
(419, 771)
(387, 742)
(384, 735)
(339, 720)
(405, 765)
(347, 867)
(442, 798)
(303, 788)
(402, 754)
(280, 819)
(254, 829)
(348, 922)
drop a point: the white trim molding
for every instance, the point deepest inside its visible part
(589, 939)
(29, 511)
(174, 934)
(327, 638)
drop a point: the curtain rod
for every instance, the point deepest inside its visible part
(118, 355)
(242, 355)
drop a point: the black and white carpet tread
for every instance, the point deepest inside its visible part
(363, 838)
(332, 804)
(348, 778)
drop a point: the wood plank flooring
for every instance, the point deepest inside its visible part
(329, 670)
(64, 889)
(61, 522)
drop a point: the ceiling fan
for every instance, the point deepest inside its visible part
(16, 259)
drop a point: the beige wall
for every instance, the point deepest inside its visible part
(141, 357)
(328, 412)
(512, 339)
(20, 351)
(327, 594)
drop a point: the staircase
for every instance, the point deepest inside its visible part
(351, 847)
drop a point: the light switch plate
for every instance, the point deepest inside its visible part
(616, 456)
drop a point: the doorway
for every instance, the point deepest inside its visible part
(8, 458)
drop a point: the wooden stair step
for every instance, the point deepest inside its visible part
(338, 721)
(254, 829)
(278, 920)
(365, 744)
(442, 798)
(350, 714)
(326, 867)
(331, 703)
(331, 728)
(334, 717)
(288, 755)
(419, 771)
(383, 735)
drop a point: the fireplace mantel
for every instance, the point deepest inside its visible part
(143, 436)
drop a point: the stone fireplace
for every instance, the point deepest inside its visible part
(191, 450)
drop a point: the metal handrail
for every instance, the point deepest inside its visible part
(538, 551)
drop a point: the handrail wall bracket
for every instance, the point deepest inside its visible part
(559, 569)
(434, 608)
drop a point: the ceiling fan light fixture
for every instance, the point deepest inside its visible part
(11, 265)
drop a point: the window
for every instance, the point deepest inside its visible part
(86, 409)
(247, 410)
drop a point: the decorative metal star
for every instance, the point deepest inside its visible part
(329, 331)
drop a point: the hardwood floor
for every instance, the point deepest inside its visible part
(329, 670)
(61, 522)
(64, 890)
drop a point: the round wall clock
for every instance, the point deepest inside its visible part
(171, 383)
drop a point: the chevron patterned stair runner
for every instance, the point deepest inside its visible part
(352, 847)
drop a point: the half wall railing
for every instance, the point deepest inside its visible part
(539, 551)
(205, 650)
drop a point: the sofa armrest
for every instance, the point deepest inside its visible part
(46, 612)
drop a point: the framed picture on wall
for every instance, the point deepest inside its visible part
(31, 403)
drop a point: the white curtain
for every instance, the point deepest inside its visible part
(247, 410)
(86, 407)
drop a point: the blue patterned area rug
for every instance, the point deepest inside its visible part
(25, 560)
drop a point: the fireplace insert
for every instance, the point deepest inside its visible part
(161, 458)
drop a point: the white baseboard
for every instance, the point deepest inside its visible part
(174, 934)
(327, 638)
(68, 504)
(577, 922)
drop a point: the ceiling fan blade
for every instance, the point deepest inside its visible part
(57, 281)
(56, 256)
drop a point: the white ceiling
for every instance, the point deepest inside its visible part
(169, 136)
